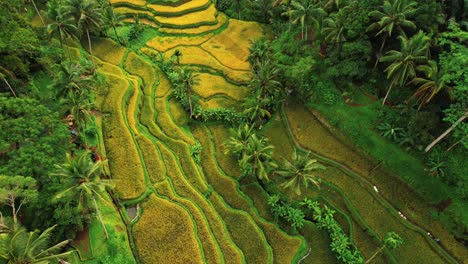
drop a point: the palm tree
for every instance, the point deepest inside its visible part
(392, 240)
(81, 108)
(265, 80)
(429, 86)
(73, 77)
(82, 180)
(306, 12)
(403, 63)
(256, 108)
(394, 15)
(113, 20)
(300, 173)
(258, 155)
(333, 29)
(187, 81)
(20, 246)
(88, 17)
(60, 24)
(238, 141)
(259, 50)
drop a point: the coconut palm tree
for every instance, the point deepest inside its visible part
(113, 20)
(20, 246)
(391, 240)
(73, 77)
(256, 108)
(258, 155)
(300, 172)
(333, 29)
(81, 179)
(88, 16)
(259, 50)
(187, 81)
(265, 80)
(60, 24)
(238, 141)
(81, 107)
(394, 16)
(306, 12)
(413, 51)
(430, 85)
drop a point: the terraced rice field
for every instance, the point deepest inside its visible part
(198, 213)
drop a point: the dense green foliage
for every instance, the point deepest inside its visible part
(409, 55)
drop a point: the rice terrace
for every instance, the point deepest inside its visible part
(233, 131)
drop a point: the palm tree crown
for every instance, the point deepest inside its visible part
(300, 173)
(82, 179)
(22, 247)
(413, 51)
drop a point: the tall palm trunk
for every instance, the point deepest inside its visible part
(381, 49)
(375, 254)
(9, 86)
(386, 95)
(100, 217)
(38, 13)
(189, 97)
(446, 132)
(117, 35)
(90, 48)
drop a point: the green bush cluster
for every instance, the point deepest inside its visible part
(297, 213)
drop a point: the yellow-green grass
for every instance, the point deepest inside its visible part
(217, 102)
(317, 138)
(165, 233)
(209, 244)
(318, 242)
(190, 5)
(133, 2)
(132, 12)
(415, 249)
(164, 43)
(183, 188)
(284, 247)
(164, 87)
(355, 227)
(152, 159)
(391, 187)
(167, 124)
(245, 233)
(132, 105)
(124, 161)
(210, 85)
(108, 50)
(197, 56)
(230, 251)
(142, 20)
(278, 136)
(206, 16)
(204, 29)
(177, 112)
(135, 65)
(227, 162)
(231, 47)
(72, 52)
(259, 199)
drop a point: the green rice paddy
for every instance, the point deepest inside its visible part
(198, 212)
